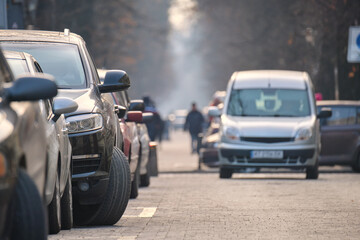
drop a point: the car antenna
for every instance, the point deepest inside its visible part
(66, 32)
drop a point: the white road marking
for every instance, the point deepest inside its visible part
(148, 212)
(145, 213)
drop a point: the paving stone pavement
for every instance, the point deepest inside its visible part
(183, 203)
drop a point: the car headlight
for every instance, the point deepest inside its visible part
(231, 133)
(83, 123)
(303, 134)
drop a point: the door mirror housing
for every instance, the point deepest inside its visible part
(62, 105)
(32, 88)
(325, 113)
(137, 105)
(120, 111)
(147, 117)
(134, 116)
(214, 111)
(115, 81)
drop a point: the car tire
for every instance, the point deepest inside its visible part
(135, 184)
(29, 221)
(313, 172)
(123, 170)
(356, 165)
(67, 206)
(117, 194)
(226, 173)
(54, 209)
(145, 179)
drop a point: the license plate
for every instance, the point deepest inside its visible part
(267, 154)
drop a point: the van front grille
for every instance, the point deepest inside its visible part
(267, 140)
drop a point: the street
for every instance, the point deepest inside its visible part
(184, 203)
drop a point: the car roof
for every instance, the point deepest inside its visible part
(338, 103)
(270, 79)
(39, 36)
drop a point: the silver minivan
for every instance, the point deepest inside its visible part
(269, 119)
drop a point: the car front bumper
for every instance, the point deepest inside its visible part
(294, 156)
(91, 162)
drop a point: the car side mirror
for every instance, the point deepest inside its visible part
(32, 88)
(62, 105)
(137, 105)
(134, 116)
(120, 111)
(147, 117)
(214, 111)
(325, 113)
(115, 81)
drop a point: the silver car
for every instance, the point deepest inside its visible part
(58, 194)
(269, 119)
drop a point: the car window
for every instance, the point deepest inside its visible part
(61, 60)
(269, 103)
(341, 116)
(18, 66)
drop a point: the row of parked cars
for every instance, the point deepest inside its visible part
(73, 146)
(271, 119)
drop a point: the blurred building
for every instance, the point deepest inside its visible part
(17, 14)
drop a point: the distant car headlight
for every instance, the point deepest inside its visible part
(303, 134)
(83, 123)
(231, 133)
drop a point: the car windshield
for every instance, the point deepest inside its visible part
(58, 59)
(18, 66)
(269, 103)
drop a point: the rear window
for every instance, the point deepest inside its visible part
(61, 60)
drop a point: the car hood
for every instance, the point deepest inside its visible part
(268, 126)
(85, 98)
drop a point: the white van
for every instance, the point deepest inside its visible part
(269, 119)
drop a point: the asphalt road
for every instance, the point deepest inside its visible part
(183, 203)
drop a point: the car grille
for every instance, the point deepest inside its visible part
(85, 165)
(266, 140)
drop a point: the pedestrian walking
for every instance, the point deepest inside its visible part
(194, 123)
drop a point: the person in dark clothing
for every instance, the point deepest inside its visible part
(194, 123)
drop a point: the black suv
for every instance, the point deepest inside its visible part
(100, 172)
(22, 154)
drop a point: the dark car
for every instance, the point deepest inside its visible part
(22, 154)
(208, 153)
(58, 177)
(340, 134)
(100, 171)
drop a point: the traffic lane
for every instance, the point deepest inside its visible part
(261, 205)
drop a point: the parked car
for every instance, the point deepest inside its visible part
(269, 120)
(58, 194)
(23, 154)
(340, 134)
(131, 141)
(208, 153)
(100, 171)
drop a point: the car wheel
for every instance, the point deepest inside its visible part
(135, 184)
(313, 172)
(356, 165)
(67, 206)
(54, 209)
(145, 179)
(29, 220)
(116, 199)
(226, 173)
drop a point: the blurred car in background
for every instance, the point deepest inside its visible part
(58, 193)
(178, 118)
(340, 134)
(208, 153)
(23, 154)
(100, 177)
